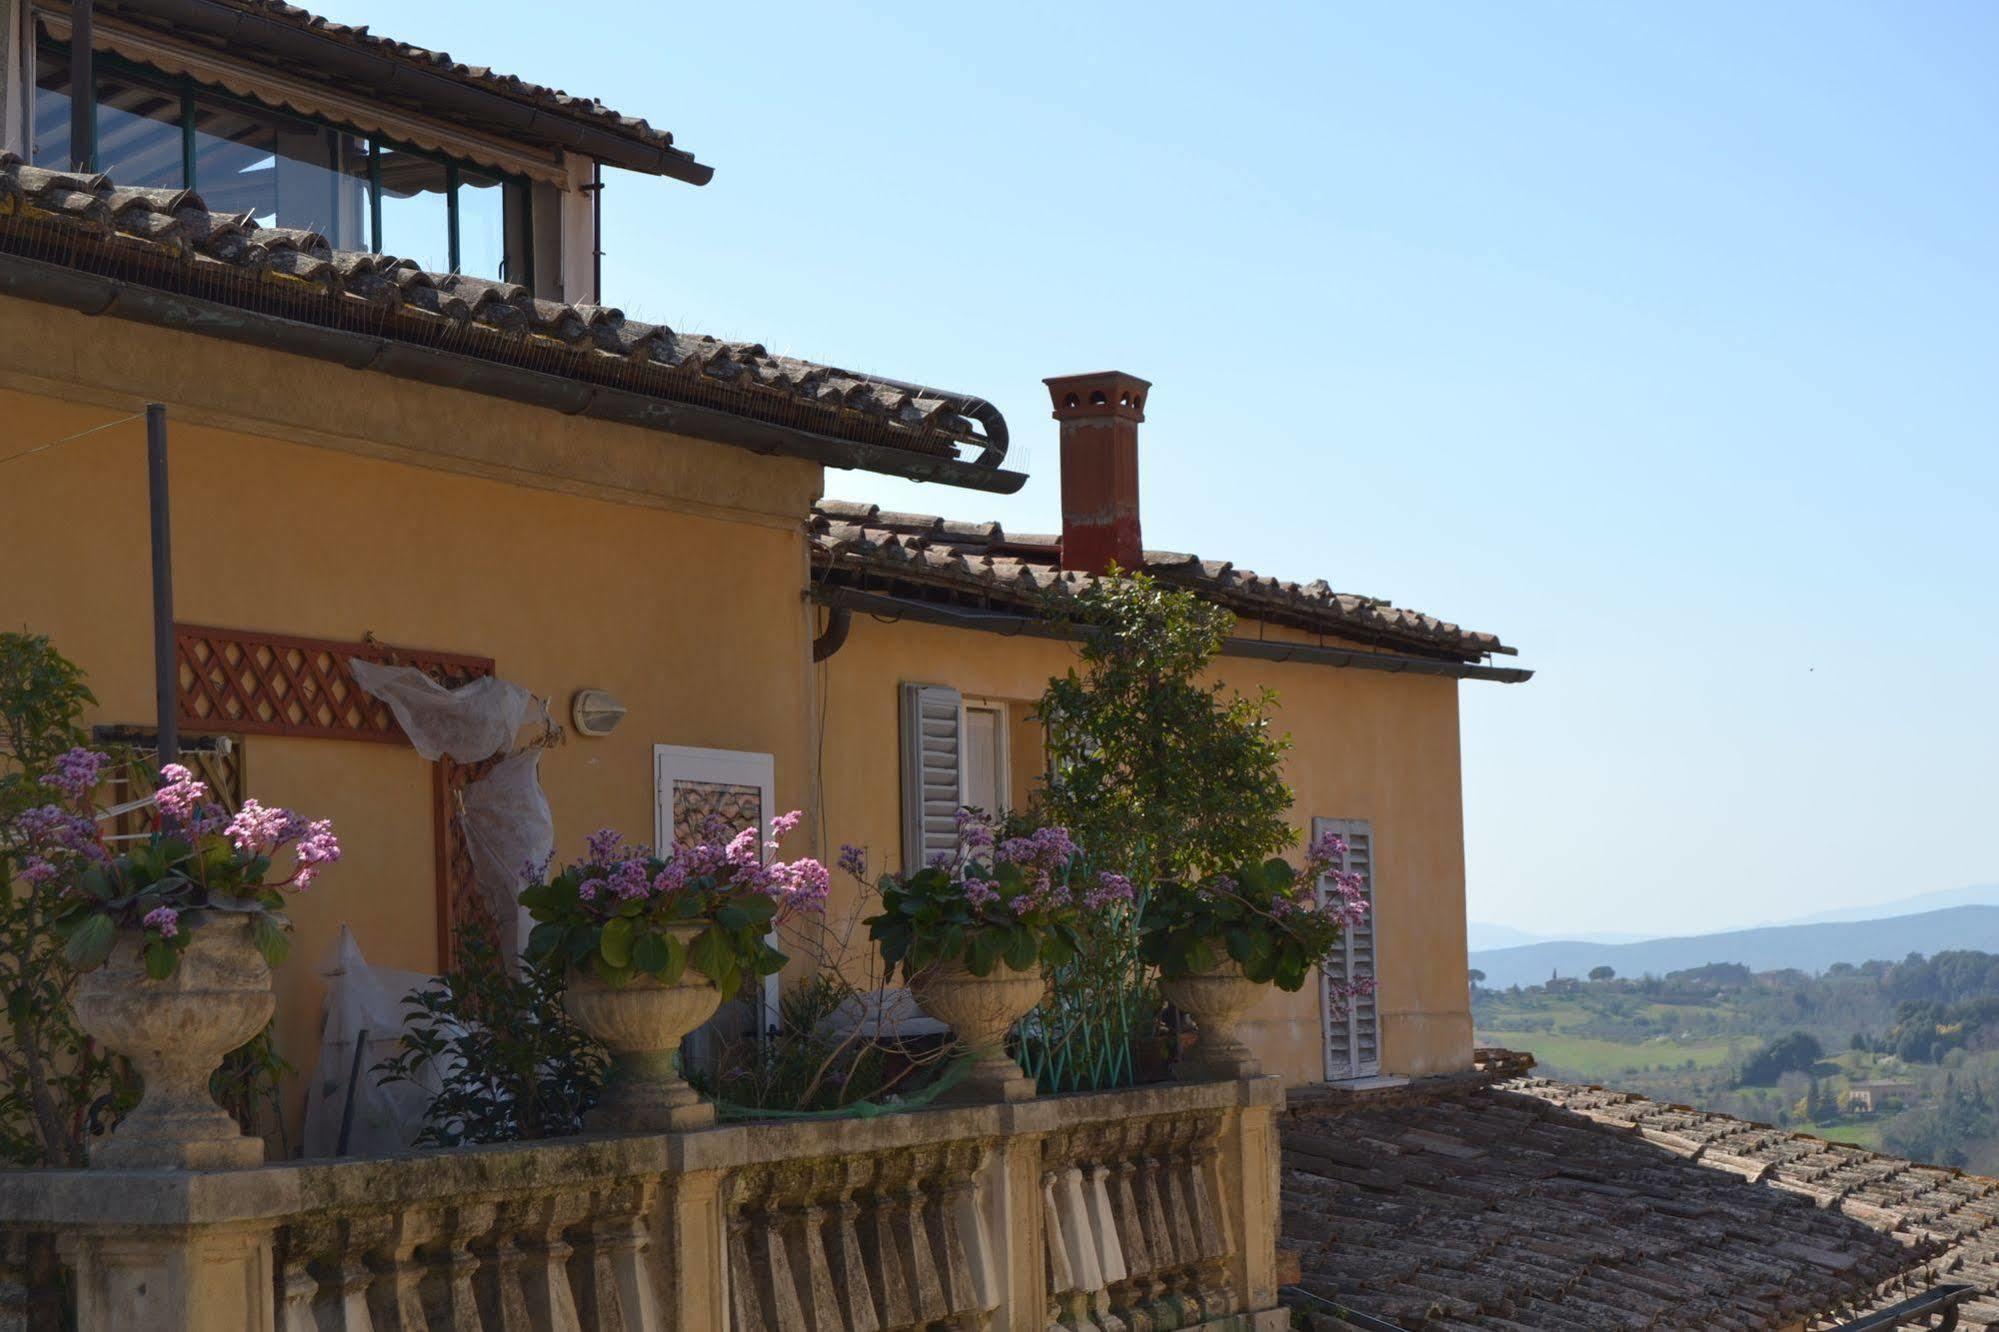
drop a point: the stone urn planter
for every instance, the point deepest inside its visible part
(175, 1032)
(981, 1010)
(1216, 999)
(642, 1024)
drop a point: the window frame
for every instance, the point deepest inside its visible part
(1002, 751)
(517, 189)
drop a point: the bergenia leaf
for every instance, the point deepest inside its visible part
(91, 942)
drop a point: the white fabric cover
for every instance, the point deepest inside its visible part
(362, 999)
(507, 826)
(472, 722)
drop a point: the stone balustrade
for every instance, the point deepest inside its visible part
(1146, 1210)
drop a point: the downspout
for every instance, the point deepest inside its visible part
(839, 623)
(82, 90)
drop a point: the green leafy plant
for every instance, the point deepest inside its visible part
(996, 900)
(1159, 769)
(196, 859)
(54, 1073)
(507, 1062)
(616, 911)
(1267, 917)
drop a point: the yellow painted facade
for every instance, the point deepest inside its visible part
(330, 503)
(317, 501)
(1367, 745)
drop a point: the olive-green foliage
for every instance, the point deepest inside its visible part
(510, 1064)
(55, 1074)
(1159, 771)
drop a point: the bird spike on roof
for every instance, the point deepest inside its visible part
(980, 557)
(169, 240)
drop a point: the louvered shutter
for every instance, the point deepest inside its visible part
(933, 780)
(1353, 1029)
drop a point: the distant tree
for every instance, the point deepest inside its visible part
(1787, 1054)
(1602, 973)
(1859, 1042)
(1476, 977)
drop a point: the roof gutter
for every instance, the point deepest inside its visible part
(96, 294)
(336, 61)
(1035, 626)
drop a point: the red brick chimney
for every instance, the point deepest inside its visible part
(1100, 415)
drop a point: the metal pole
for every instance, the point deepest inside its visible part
(82, 90)
(166, 671)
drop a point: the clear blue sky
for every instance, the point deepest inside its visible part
(1662, 340)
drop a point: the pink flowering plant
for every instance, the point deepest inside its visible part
(197, 858)
(1270, 918)
(613, 912)
(1019, 900)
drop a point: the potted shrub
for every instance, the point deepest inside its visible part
(175, 937)
(1219, 942)
(652, 945)
(972, 932)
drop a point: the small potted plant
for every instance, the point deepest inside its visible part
(653, 943)
(1219, 942)
(972, 932)
(175, 936)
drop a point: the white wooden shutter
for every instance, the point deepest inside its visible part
(1353, 1029)
(933, 778)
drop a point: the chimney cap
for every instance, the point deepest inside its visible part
(1106, 393)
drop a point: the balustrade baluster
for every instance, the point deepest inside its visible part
(852, 1290)
(395, 1296)
(544, 1266)
(880, 1215)
(926, 1283)
(450, 1295)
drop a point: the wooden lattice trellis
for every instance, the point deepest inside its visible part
(218, 760)
(276, 684)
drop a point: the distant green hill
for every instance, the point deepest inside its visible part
(1810, 948)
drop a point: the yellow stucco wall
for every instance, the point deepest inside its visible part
(1367, 745)
(318, 501)
(330, 503)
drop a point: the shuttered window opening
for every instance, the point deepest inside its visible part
(933, 779)
(1353, 1026)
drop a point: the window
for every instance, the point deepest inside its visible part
(692, 788)
(415, 218)
(932, 772)
(361, 192)
(283, 170)
(1353, 1029)
(988, 784)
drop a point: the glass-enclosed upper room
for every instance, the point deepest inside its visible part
(361, 191)
(301, 121)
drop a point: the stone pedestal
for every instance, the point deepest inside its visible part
(981, 1011)
(176, 1031)
(1216, 999)
(174, 1280)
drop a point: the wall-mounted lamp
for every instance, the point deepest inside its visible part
(596, 712)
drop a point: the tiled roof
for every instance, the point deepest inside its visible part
(1546, 1205)
(1026, 571)
(554, 100)
(169, 239)
(1923, 1207)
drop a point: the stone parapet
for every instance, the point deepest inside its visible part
(1144, 1210)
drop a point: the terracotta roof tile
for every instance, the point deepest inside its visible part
(1535, 1204)
(87, 221)
(982, 558)
(585, 110)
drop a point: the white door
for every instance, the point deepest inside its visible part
(691, 786)
(1353, 1026)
